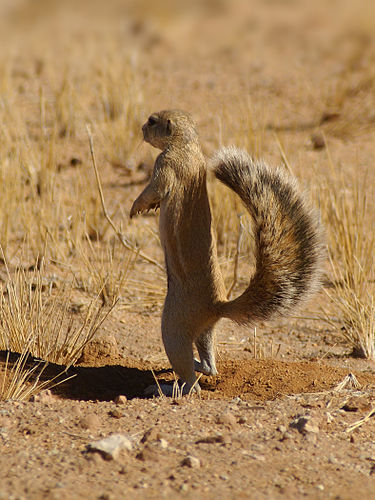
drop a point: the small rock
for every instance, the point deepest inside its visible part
(227, 418)
(305, 424)
(121, 400)
(242, 420)
(282, 428)
(163, 443)
(111, 446)
(116, 413)
(91, 422)
(192, 462)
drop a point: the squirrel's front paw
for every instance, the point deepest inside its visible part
(139, 207)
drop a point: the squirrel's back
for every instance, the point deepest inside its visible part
(288, 242)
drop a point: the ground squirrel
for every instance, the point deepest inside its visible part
(288, 246)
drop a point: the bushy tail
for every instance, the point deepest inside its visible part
(288, 242)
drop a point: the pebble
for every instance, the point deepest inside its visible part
(91, 422)
(111, 446)
(163, 443)
(305, 424)
(116, 413)
(192, 462)
(121, 400)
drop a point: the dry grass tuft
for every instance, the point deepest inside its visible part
(352, 264)
(21, 382)
(36, 319)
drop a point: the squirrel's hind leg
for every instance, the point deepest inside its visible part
(178, 345)
(206, 348)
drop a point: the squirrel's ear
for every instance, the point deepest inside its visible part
(170, 127)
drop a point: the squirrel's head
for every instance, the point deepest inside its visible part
(169, 127)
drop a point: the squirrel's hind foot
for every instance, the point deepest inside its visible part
(205, 368)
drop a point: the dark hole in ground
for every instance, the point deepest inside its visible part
(101, 383)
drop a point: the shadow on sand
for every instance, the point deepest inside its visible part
(101, 383)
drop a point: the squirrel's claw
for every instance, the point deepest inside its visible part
(136, 210)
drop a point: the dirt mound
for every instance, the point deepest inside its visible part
(267, 379)
(258, 379)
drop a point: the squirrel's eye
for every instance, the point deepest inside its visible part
(151, 121)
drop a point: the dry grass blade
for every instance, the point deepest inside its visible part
(121, 237)
(350, 381)
(192, 388)
(361, 421)
(160, 392)
(105, 271)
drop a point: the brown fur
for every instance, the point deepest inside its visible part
(288, 243)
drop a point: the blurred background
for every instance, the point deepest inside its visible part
(290, 62)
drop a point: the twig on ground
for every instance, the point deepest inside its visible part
(361, 421)
(350, 380)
